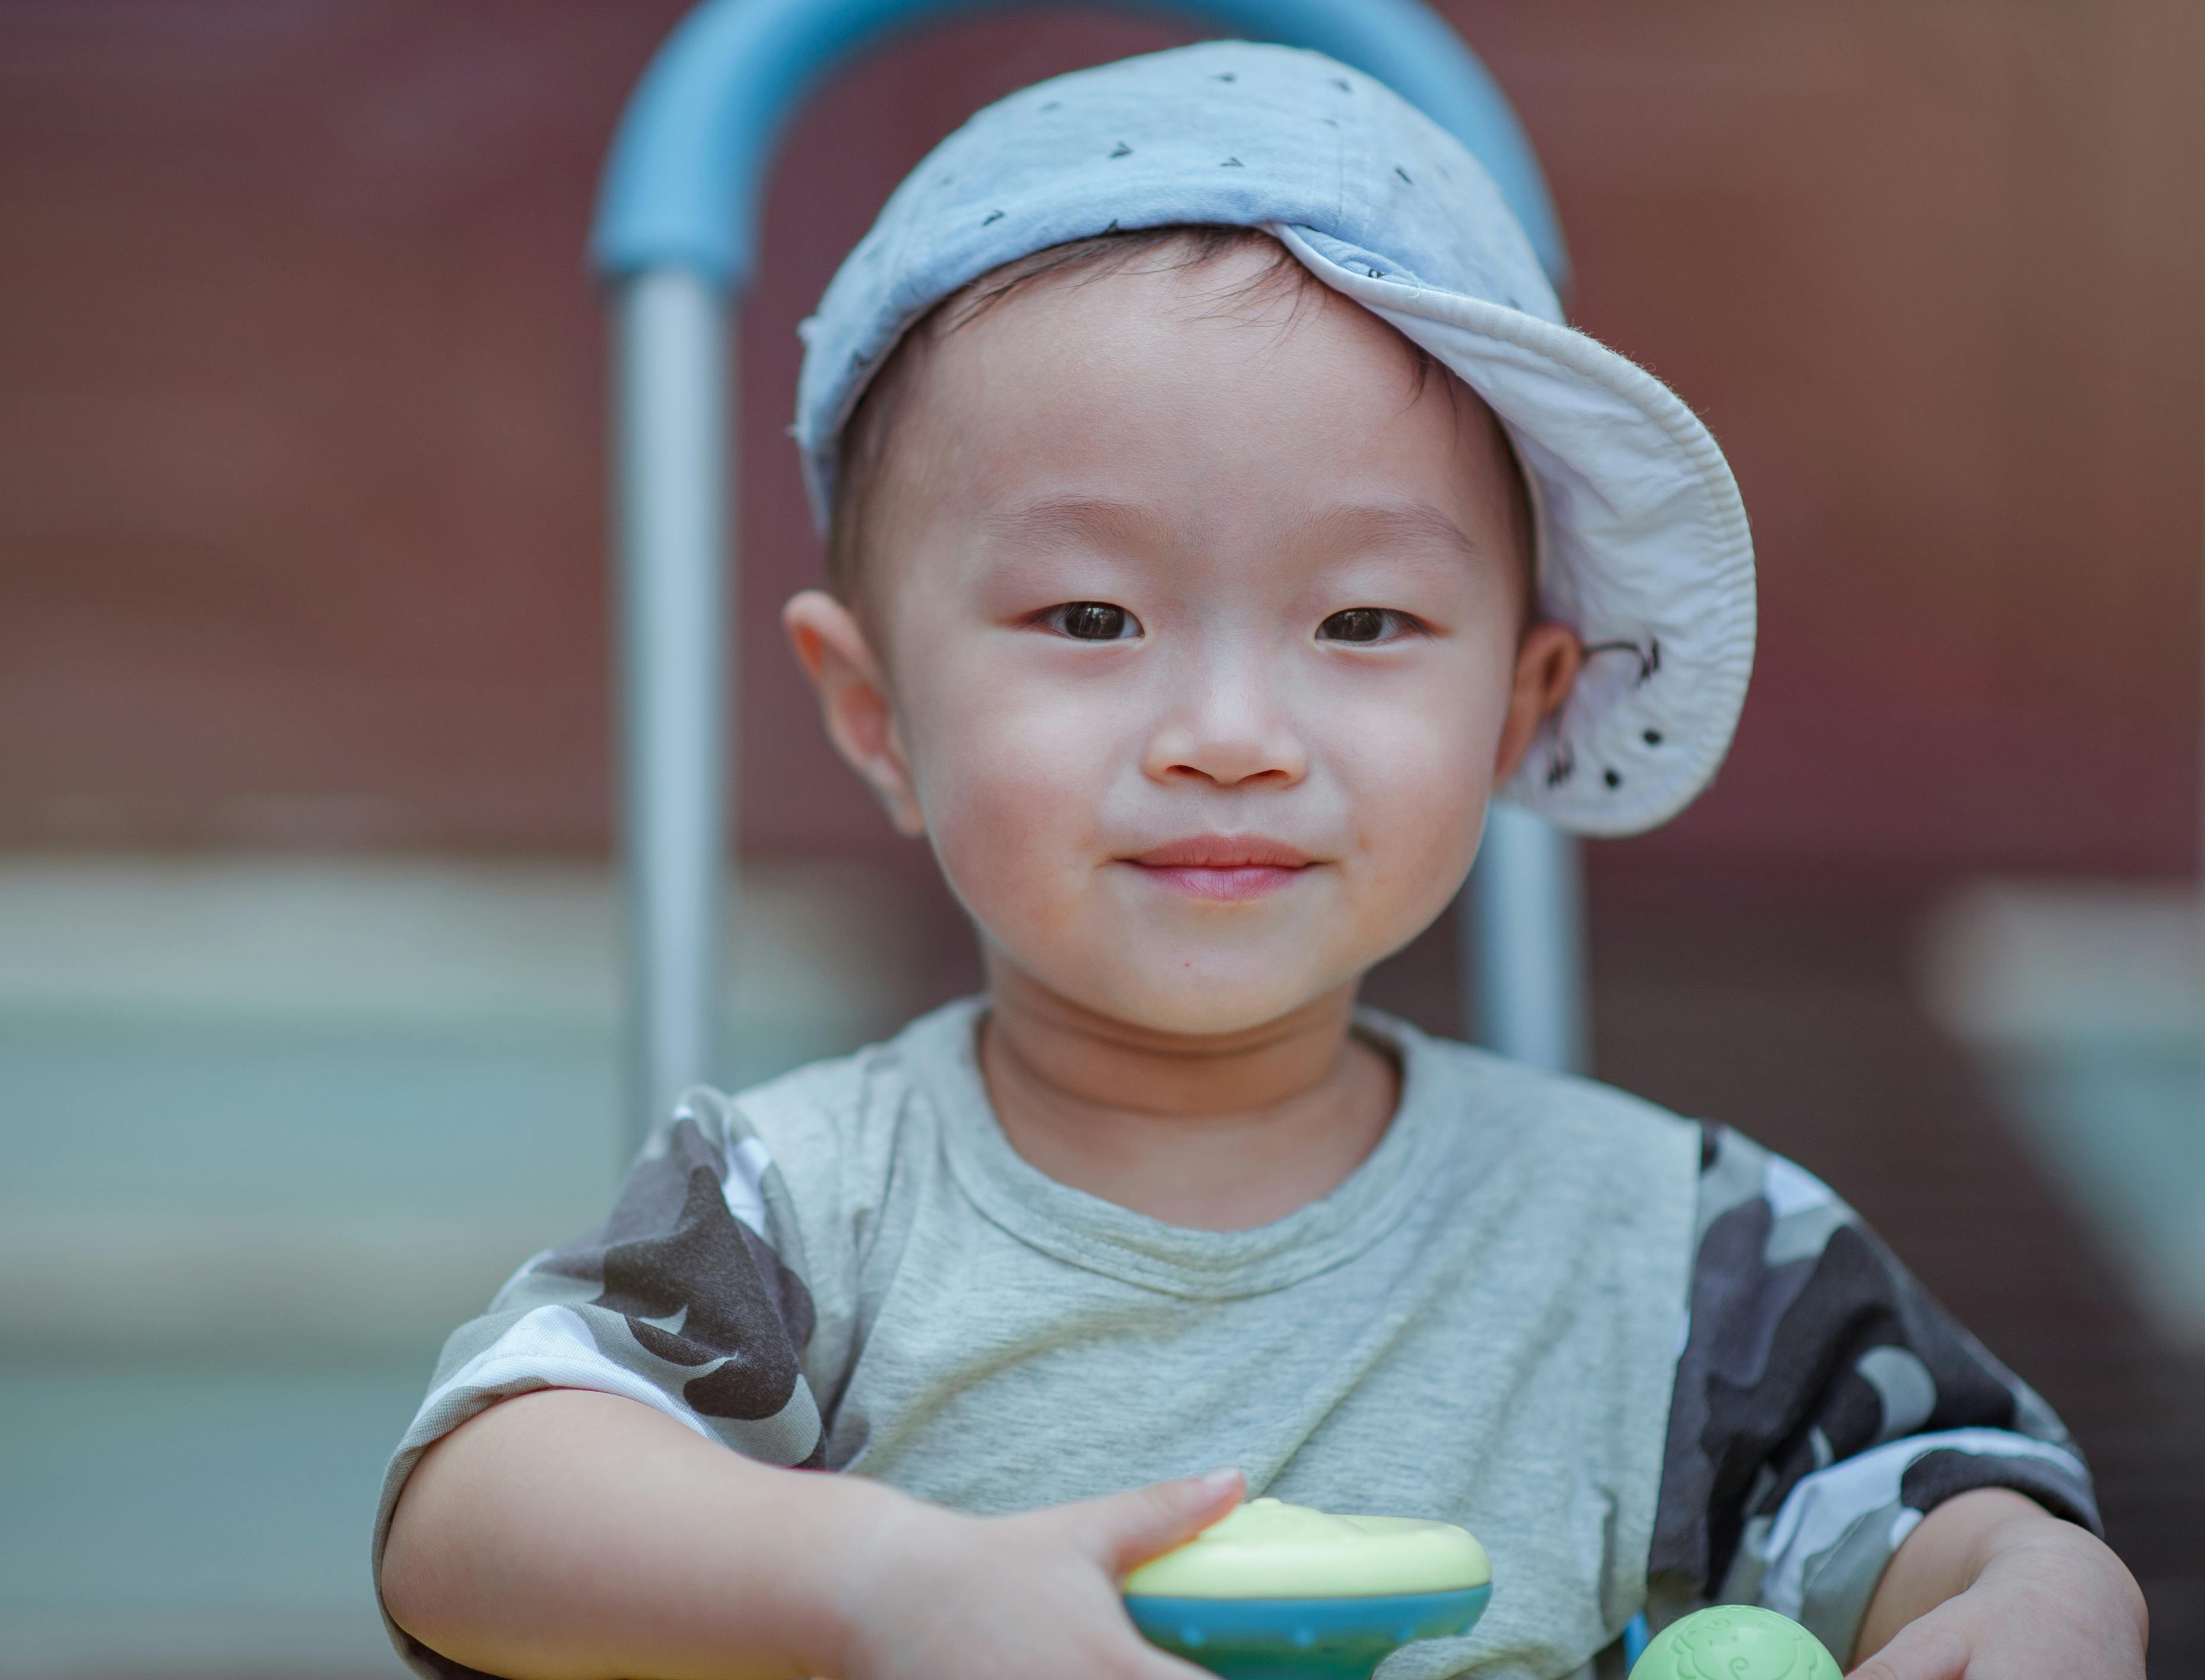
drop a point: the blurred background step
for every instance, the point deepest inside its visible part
(2085, 1002)
(272, 1127)
(185, 1517)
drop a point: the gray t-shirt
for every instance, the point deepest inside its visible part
(850, 1268)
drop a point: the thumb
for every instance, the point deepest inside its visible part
(1929, 1650)
(1122, 1531)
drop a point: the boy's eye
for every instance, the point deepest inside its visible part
(1362, 624)
(1092, 621)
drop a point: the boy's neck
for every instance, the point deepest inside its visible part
(1220, 1132)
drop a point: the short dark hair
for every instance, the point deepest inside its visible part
(863, 446)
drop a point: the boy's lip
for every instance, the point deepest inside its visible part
(1228, 867)
(1224, 851)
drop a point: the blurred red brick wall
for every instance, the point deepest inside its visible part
(301, 392)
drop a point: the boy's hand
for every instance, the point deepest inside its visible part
(939, 1595)
(2034, 1599)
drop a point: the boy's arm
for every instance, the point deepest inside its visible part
(573, 1535)
(1827, 1410)
(684, 1303)
(568, 1534)
(1990, 1575)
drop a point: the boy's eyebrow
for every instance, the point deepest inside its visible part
(1120, 524)
(1409, 523)
(1129, 526)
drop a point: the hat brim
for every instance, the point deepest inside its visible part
(1644, 548)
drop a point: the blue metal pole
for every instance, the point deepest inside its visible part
(684, 184)
(1523, 940)
(672, 447)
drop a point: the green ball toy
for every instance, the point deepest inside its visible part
(1735, 1642)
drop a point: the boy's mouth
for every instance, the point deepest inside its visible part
(1223, 866)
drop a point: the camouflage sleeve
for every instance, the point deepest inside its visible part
(687, 1299)
(1824, 1403)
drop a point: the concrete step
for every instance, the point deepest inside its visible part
(2085, 1002)
(269, 1128)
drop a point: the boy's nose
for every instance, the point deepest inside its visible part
(1228, 733)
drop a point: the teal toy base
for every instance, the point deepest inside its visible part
(1301, 1639)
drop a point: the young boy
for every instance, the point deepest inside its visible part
(1218, 516)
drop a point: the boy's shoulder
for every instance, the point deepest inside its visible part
(856, 1099)
(1755, 1212)
(1534, 1116)
(832, 1131)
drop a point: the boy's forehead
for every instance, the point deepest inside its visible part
(1054, 407)
(1130, 522)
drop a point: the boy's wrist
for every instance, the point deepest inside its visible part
(874, 1532)
(1952, 1548)
(2021, 1534)
(2028, 1543)
(1986, 1555)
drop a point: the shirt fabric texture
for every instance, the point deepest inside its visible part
(1645, 1362)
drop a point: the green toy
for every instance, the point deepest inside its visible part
(1280, 1592)
(1735, 1642)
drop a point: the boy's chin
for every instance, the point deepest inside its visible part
(1205, 1005)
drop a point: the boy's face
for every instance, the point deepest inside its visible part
(1192, 636)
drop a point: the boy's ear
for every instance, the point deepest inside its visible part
(853, 701)
(1547, 661)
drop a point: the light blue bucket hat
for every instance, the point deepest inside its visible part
(1642, 543)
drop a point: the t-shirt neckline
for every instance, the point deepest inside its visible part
(1085, 1230)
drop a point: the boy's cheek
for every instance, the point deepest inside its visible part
(1417, 785)
(1010, 831)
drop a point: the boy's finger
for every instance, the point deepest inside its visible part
(1929, 1650)
(1160, 1666)
(1125, 1530)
